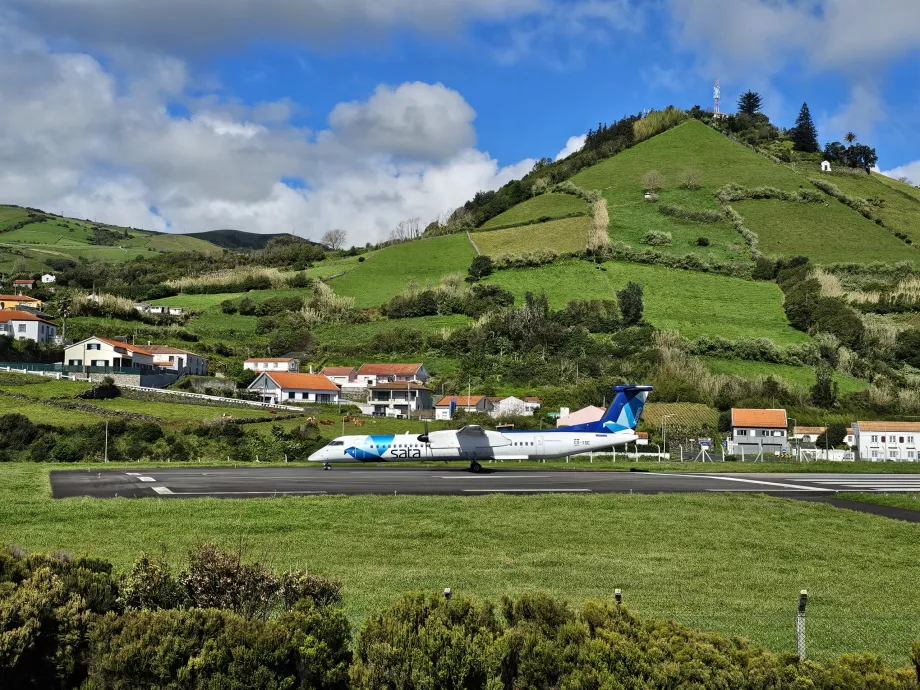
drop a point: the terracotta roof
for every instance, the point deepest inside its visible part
(21, 298)
(809, 430)
(495, 400)
(532, 400)
(14, 315)
(388, 369)
(270, 359)
(889, 426)
(642, 434)
(313, 382)
(399, 386)
(24, 281)
(337, 371)
(167, 350)
(849, 431)
(460, 400)
(117, 343)
(766, 419)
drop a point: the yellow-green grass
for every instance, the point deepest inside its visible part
(344, 334)
(47, 414)
(689, 146)
(208, 301)
(563, 236)
(334, 267)
(685, 415)
(179, 411)
(10, 215)
(389, 271)
(728, 563)
(173, 243)
(550, 205)
(799, 377)
(46, 389)
(825, 234)
(692, 303)
(909, 501)
(901, 209)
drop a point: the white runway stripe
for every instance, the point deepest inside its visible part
(526, 491)
(161, 490)
(147, 479)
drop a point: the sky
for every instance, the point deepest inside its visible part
(309, 115)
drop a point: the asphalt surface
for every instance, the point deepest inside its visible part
(256, 482)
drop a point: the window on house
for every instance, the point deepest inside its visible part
(94, 346)
(910, 455)
(883, 439)
(874, 454)
(777, 433)
(875, 439)
(21, 328)
(742, 432)
(910, 439)
(900, 439)
(291, 395)
(893, 454)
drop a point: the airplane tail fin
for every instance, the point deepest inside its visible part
(624, 412)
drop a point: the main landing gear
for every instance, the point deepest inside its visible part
(475, 467)
(327, 466)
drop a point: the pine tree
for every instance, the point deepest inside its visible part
(750, 103)
(805, 135)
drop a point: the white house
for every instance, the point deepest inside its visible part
(532, 404)
(272, 364)
(285, 386)
(342, 376)
(48, 278)
(102, 352)
(25, 284)
(178, 360)
(756, 431)
(586, 415)
(399, 399)
(449, 404)
(887, 440)
(375, 374)
(21, 325)
(176, 311)
(807, 435)
(509, 406)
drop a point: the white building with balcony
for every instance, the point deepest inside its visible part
(398, 399)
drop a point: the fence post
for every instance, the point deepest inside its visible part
(800, 625)
(618, 596)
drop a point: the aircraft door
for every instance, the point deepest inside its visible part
(540, 446)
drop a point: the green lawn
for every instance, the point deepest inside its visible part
(563, 236)
(825, 234)
(390, 270)
(46, 388)
(728, 563)
(178, 411)
(909, 501)
(47, 414)
(546, 205)
(692, 303)
(901, 208)
(800, 377)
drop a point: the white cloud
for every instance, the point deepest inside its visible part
(194, 25)
(78, 141)
(909, 170)
(571, 146)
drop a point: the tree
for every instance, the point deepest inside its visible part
(653, 181)
(833, 436)
(835, 152)
(805, 134)
(824, 392)
(862, 156)
(750, 103)
(849, 138)
(334, 239)
(906, 347)
(631, 303)
(480, 268)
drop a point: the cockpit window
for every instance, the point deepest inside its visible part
(336, 443)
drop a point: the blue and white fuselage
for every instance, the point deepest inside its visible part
(474, 444)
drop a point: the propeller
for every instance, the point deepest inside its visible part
(424, 437)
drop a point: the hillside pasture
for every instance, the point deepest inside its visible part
(390, 271)
(549, 205)
(682, 415)
(900, 209)
(563, 236)
(798, 377)
(47, 414)
(825, 234)
(692, 303)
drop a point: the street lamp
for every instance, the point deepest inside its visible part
(664, 431)
(794, 424)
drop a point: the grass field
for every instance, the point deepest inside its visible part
(178, 411)
(686, 415)
(825, 234)
(901, 208)
(546, 205)
(390, 270)
(729, 563)
(46, 414)
(562, 236)
(692, 303)
(909, 501)
(800, 377)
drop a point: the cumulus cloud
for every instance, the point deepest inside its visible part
(571, 146)
(78, 141)
(909, 170)
(179, 26)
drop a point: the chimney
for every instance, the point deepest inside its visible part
(312, 371)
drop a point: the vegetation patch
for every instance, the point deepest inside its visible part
(542, 207)
(564, 236)
(800, 377)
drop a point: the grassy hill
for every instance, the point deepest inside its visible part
(29, 239)
(234, 239)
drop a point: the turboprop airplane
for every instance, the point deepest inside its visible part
(473, 443)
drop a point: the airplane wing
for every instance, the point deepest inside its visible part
(472, 430)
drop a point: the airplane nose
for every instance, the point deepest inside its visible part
(317, 456)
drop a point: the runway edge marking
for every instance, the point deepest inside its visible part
(801, 487)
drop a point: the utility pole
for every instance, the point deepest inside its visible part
(664, 432)
(106, 440)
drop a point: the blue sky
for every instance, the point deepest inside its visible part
(305, 115)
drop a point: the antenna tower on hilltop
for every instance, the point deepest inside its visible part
(716, 95)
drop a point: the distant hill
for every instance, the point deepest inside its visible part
(31, 238)
(237, 239)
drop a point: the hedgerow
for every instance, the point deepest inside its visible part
(590, 195)
(684, 213)
(733, 192)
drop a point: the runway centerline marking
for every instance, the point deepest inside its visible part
(147, 479)
(161, 489)
(526, 491)
(800, 487)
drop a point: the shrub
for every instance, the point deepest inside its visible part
(702, 242)
(656, 122)
(16, 432)
(590, 195)
(700, 215)
(631, 303)
(653, 181)
(690, 179)
(480, 268)
(657, 238)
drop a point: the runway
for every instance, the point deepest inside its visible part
(260, 482)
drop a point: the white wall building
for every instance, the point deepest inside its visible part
(896, 441)
(342, 376)
(375, 374)
(178, 360)
(21, 325)
(510, 406)
(451, 403)
(283, 386)
(755, 431)
(399, 399)
(102, 352)
(272, 364)
(49, 278)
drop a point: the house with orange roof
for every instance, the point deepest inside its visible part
(342, 376)
(22, 325)
(176, 359)
(892, 441)
(103, 352)
(272, 364)
(16, 301)
(285, 386)
(449, 404)
(375, 374)
(759, 431)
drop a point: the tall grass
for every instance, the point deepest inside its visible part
(82, 304)
(656, 122)
(232, 278)
(830, 284)
(598, 237)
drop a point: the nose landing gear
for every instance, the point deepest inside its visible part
(475, 467)
(327, 466)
